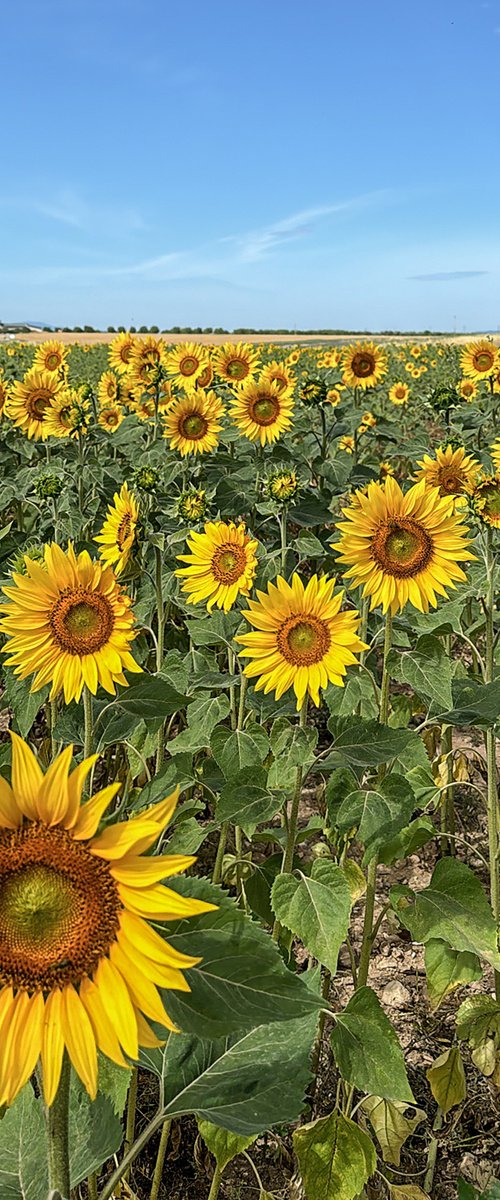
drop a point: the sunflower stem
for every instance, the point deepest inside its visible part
(160, 639)
(160, 1160)
(92, 1186)
(371, 875)
(53, 719)
(216, 1182)
(219, 858)
(491, 766)
(283, 539)
(57, 1120)
(130, 1122)
(289, 851)
(87, 713)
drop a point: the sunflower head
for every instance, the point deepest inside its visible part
(402, 548)
(262, 411)
(146, 479)
(333, 397)
(301, 638)
(313, 391)
(68, 623)
(451, 470)
(282, 485)
(30, 400)
(120, 350)
(385, 468)
(110, 417)
(192, 423)
(51, 356)
(236, 363)
(119, 532)
(221, 565)
(186, 363)
(480, 359)
(192, 504)
(363, 364)
(399, 393)
(80, 965)
(486, 500)
(347, 444)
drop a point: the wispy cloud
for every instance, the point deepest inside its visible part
(67, 207)
(446, 276)
(257, 243)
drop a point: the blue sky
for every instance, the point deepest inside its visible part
(251, 162)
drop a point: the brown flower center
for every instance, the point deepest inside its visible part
(193, 426)
(237, 368)
(489, 496)
(125, 531)
(53, 361)
(39, 402)
(303, 639)
(400, 391)
(483, 360)
(59, 908)
(228, 563)
(81, 620)
(205, 376)
(264, 410)
(451, 481)
(362, 365)
(188, 365)
(402, 547)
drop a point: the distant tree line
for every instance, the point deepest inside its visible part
(245, 330)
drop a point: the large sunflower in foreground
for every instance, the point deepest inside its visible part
(120, 350)
(300, 639)
(236, 363)
(117, 535)
(68, 623)
(221, 565)
(51, 356)
(402, 547)
(451, 470)
(193, 422)
(262, 411)
(80, 965)
(29, 401)
(363, 365)
(479, 359)
(186, 362)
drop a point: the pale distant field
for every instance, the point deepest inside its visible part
(218, 339)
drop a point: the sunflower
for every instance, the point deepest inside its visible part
(468, 389)
(262, 411)
(363, 364)
(68, 416)
(300, 639)
(51, 356)
(402, 548)
(117, 536)
(347, 444)
(185, 362)
(399, 393)
(80, 965)
(451, 470)
(192, 504)
(144, 408)
(206, 376)
(236, 363)
(120, 350)
(486, 500)
(108, 388)
(495, 454)
(280, 374)
(479, 359)
(29, 401)
(69, 623)
(110, 418)
(4, 392)
(146, 356)
(221, 564)
(333, 396)
(193, 422)
(385, 468)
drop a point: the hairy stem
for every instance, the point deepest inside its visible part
(160, 1160)
(371, 877)
(289, 850)
(57, 1118)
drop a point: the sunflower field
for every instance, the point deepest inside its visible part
(249, 823)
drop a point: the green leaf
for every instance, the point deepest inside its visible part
(316, 909)
(358, 694)
(236, 749)
(409, 839)
(246, 800)
(176, 773)
(245, 1083)
(453, 908)
(292, 747)
(448, 969)
(367, 1048)
(427, 669)
(379, 813)
(366, 743)
(203, 715)
(390, 1125)
(335, 1158)
(474, 703)
(215, 630)
(24, 703)
(223, 1144)
(447, 1079)
(189, 835)
(154, 697)
(478, 1019)
(241, 980)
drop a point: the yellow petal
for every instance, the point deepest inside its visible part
(52, 803)
(116, 1000)
(119, 840)
(79, 1039)
(27, 777)
(137, 871)
(10, 815)
(75, 787)
(161, 903)
(102, 1022)
(90, 813)
(144, 993)
(52, 1046)
(149, 942)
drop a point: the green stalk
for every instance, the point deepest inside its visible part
(57, 1122)
(130, 1122)
(224, 829)
(216, 1182)
(283, 539)
(289, 851)
(371, 876)
(160, 640)
(87, 712)
(53, 719)
(160, 1160)
(491, 766)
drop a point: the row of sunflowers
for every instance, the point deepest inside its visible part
(175, 523)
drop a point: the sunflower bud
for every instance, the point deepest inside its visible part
(192, 504)
(313, 391)
(282, 486)
(48, 486)
(146, 479)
